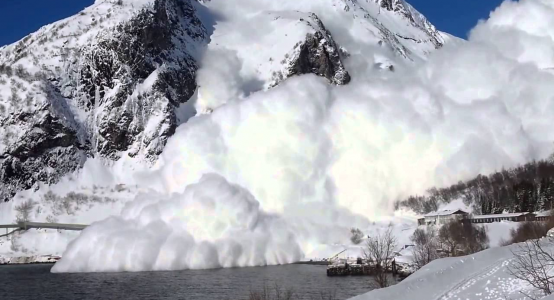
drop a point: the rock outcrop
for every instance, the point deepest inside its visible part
(137, 102)
(40, 138)
(109, 89)
(318, 54)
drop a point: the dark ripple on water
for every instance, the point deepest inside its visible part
(308, 282)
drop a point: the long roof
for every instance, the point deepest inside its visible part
(445, 212)
(508, 215)
(543, 213)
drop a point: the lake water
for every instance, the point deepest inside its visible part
(308, 282)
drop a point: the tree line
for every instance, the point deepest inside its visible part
(528, 187)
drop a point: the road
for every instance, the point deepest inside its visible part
(30, 225)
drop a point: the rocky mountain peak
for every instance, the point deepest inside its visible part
(111, 82)
(392, 5)
(404, 9)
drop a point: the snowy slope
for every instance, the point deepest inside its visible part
(484, 275)
(278, 46)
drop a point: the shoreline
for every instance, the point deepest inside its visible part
(28, 260)
(27, 263)
(314, 262)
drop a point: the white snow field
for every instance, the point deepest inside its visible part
(484, 275)
(276, 175)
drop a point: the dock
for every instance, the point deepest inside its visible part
(363, 269)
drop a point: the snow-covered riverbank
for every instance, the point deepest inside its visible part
(34, 259)
(35, 246)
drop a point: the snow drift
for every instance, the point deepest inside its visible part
(228, 182)
(484, 275)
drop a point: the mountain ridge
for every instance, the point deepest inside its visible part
(123, 69)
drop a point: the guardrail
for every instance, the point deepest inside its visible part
(29, 225)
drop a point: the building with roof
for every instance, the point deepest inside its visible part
(514, 217)
(443, 217)
(543, 215)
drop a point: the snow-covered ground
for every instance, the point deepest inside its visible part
(484, 275)
(93, 199)
(35, 245)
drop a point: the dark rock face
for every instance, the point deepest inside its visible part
(390, 4)
(319, 54)
(125, 86)
(46, 145)
(155, 42)
(21, 173)
(318, 58)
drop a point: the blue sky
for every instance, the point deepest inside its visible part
(21, 17)
(456, 17)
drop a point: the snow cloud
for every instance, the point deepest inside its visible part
(219, 79)
(264, 178)
(212, 224)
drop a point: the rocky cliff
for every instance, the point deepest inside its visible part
(107, 82)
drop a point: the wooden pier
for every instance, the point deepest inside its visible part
(354, 270)
(358, 269)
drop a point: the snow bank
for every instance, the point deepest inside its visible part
(321, 158)
(484, 275)
(499, 232)
(40, 259)
(35, 245)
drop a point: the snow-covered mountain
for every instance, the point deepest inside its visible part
(107, 82)
(115, 80)
(203, 134)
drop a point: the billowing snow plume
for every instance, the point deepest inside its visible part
(313, 154)
(212, 224)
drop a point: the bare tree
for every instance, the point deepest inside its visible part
(533, 264)
(379, 250)
(24, 211)
(462, 238)
(426, 246)
(357, 236)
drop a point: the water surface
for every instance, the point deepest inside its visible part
(308, 282)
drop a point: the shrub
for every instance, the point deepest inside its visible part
(463, 238)
(529, 230)
(426, 246)
(357, 236)
(72, 202)
(277, 292)
(272, 293)
(23, 211)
